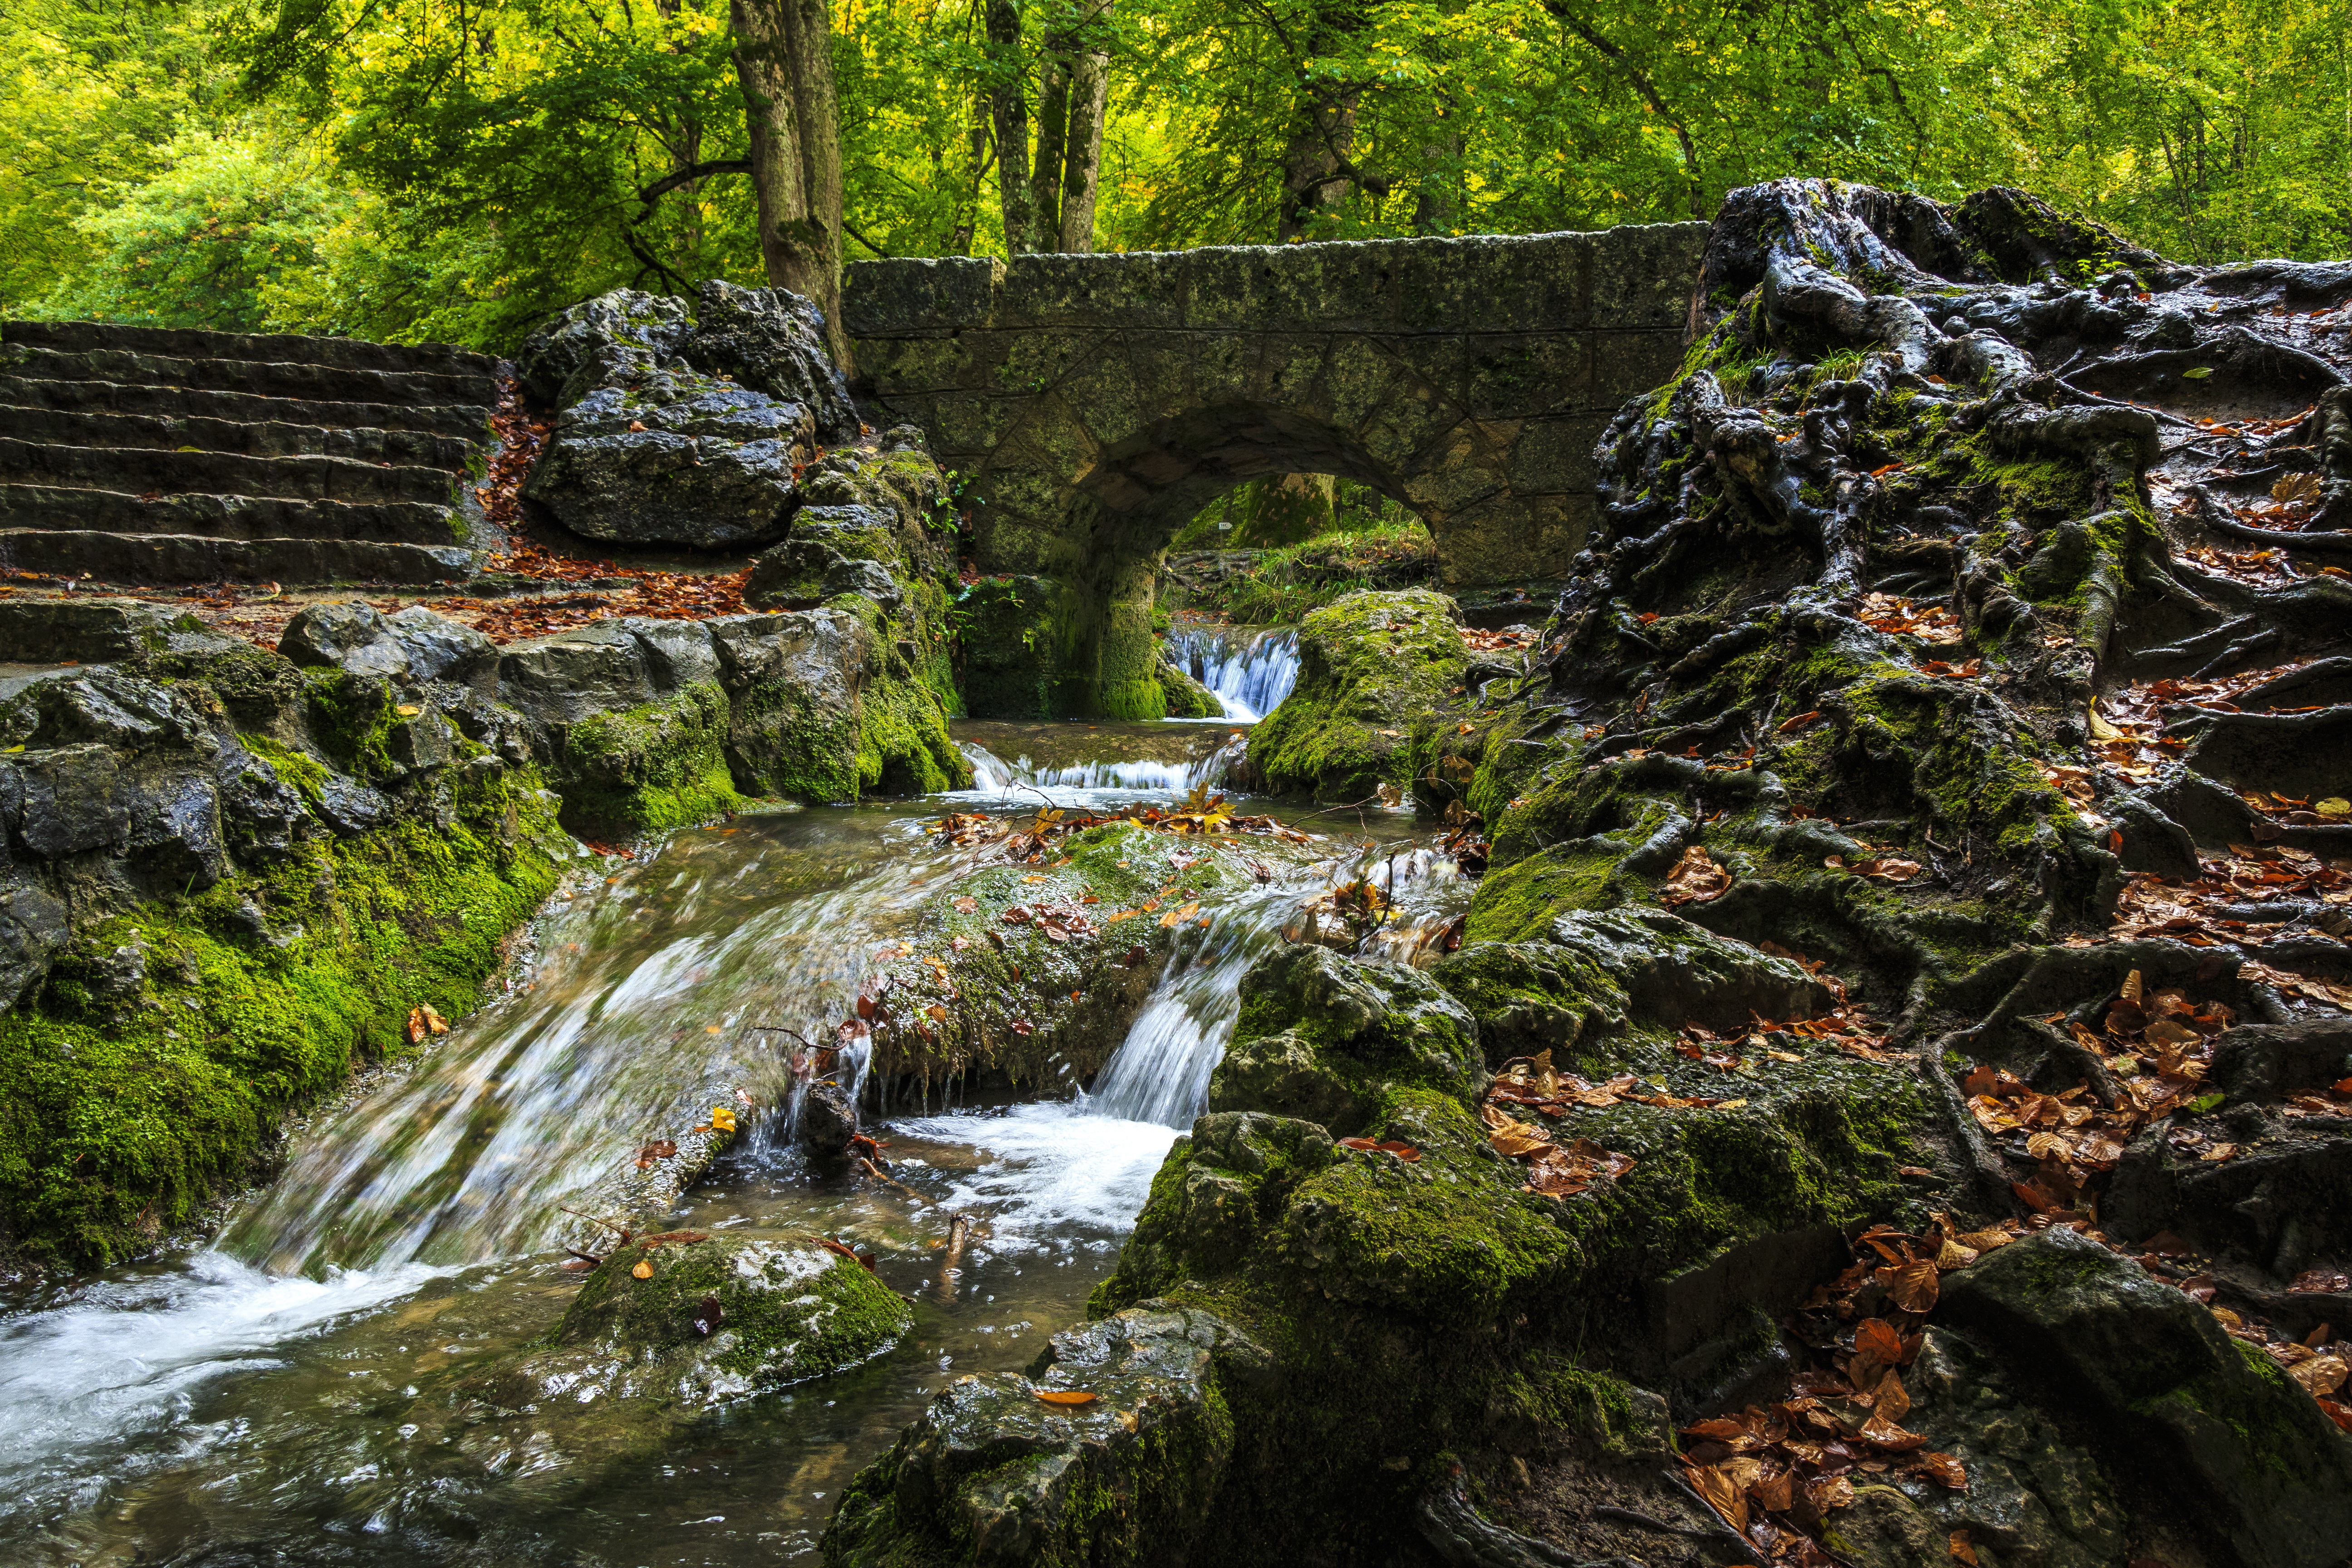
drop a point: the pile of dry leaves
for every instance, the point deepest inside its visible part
(1776, 1472)
(2247, 898)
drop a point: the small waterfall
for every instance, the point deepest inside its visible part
(1250, 669)
(994, 775)
(1160, 1071)
(544, 1100)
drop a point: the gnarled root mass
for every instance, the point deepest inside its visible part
(1900, 1044)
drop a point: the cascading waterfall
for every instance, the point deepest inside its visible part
(200, 1400)
(474, 1155)
(1160, 1071)
(1251, 669)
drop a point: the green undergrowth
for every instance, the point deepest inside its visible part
(123, 1112)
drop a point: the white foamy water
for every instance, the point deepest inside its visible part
(127, 1358)
(1091, 783)
(1250, 670)
(1054, 1168)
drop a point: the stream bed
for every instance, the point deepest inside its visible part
(283, 1395)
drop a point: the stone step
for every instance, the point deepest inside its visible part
(282, 347)
(469, 422)
(138, 470)
(52, 509)
(269, 438)
(188, 558)
(259, 377)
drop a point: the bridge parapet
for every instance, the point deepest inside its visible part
(1096, 403)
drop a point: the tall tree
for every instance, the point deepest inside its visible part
(1008, 104)
(783, 59)
(1087, 99)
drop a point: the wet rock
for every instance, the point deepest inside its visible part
(415, 645)
(1338, 1037)
(2032, 1497)
(828, 1122)
(659, 485)
(717, 1318)
(865, 579)
(1374, 669)
(615, 339)
(33, 930)
(994, 1474)
(93, 630)
(2244, 1453)
(678, 432)
(70, 801)
(772, 341)
(174, 829)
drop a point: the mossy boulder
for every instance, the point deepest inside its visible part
(718, 1318)
(2269, 1474)
(1187, 697)
(995, 1474)
(1374, 669)
(1329, 1041)
(1412, 1297)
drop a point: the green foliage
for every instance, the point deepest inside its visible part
(413, 169)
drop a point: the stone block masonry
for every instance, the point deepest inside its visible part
(1093, 404)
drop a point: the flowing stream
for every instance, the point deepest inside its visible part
(261, 1400)
(1251, 669)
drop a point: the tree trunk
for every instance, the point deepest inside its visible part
(1320, 138)
(1008, 102)
(783, 62)
(1053, 126)
(1082, 159)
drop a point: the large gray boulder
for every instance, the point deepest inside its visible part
(683, 431)
(415, 645)
(773, 342)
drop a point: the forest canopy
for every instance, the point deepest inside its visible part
(456, 169)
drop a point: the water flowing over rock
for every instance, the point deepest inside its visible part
(1248, 671)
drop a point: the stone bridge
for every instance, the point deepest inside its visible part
(1095, 403)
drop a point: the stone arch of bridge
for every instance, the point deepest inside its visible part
(1090, 403)
(1098, 514)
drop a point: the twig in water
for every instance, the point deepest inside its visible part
(626, 1233)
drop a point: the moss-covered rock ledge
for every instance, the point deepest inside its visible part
(229, 874)
(1377, 672)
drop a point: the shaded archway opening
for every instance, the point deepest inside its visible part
(1151, 486)
(1134, 499)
